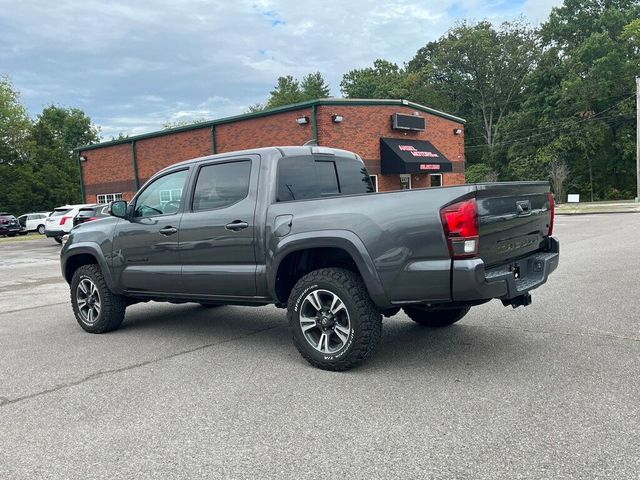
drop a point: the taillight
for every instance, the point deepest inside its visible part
(552, 208)
(63, 220)
(460, 222)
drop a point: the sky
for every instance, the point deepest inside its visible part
(134, 65)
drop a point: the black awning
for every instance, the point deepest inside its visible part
(398, 155)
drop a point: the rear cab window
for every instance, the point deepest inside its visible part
(308, 177)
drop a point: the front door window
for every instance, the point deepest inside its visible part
(163, 197)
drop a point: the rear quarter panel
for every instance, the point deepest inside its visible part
(401, 233)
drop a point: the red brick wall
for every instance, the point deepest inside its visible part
(364, 125)
(274, 130)
(108, 170)
(156, 153)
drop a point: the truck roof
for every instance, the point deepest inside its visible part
(283, 151)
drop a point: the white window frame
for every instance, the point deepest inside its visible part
(374, 180)
(437, 175)
(174, 195)
(108, 197)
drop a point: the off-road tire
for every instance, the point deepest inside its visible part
(435, 318)
(112, 306)
(365, 319)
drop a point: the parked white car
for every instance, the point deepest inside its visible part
(60, 222)
(33, 222)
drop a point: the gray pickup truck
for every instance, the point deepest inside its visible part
(299, 227)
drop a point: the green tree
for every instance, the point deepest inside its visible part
(286, 92)
(384, 80)
(314, 86)
(14, 124)
(480, 172)
(479, 71)
(44, 170)
(56, 132)
(579, 107)
(290, 90)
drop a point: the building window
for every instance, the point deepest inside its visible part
(374, 182)
(435, 180)
(173, 195)
(109, 197)
(405, 182)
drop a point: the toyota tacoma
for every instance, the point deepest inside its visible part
(301, 228)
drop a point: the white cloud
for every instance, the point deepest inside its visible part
(170, 59)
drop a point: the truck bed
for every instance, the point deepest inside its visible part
(403, 233)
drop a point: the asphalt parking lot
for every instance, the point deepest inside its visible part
(548, 391)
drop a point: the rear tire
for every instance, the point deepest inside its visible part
(334, 323)
(435, 318)
(58, 239)
(40, 229)
(96, 308)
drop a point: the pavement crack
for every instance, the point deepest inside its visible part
(6, 312)
(10, 401)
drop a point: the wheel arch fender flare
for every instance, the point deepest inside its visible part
(343, 239)
(88, 248)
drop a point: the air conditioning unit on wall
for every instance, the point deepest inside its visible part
(401, 121)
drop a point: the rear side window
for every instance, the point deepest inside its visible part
(327, 178)
(354, 177)
(304, 178)
(222, 184)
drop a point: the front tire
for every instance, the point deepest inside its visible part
(435, 318)
(334, 323)
(96, 309)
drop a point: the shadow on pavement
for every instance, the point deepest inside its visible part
(403, 345)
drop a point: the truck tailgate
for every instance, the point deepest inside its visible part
(514, 219)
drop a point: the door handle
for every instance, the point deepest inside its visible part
(166, 231)
(236, 225)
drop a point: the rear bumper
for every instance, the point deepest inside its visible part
(55, 233)
(470, 280)
(9, 230)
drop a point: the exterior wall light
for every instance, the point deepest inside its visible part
(457, 131)
(302, 120)
(83, 159)
(337, 118)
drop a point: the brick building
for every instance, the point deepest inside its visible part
(430, 153)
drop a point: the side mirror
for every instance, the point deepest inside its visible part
(118, 208)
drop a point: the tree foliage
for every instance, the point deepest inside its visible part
(37, 163)
(383, 80)
(533, 97)
(290, 90)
